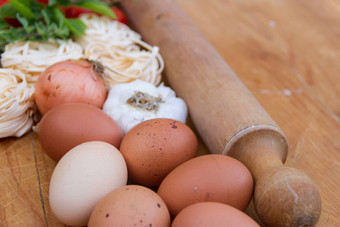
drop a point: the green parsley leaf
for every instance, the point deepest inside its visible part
(98, 7)
(3, 24)
(52, 2)
(41, 30)
(76, 26)
(23, 21)
(59, 16)
(23, 8)
(25, 2)
(7, 10)
(46, 17)
(10, 35)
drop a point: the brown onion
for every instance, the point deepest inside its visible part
(70, 81)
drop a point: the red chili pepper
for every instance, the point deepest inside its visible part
(11, 21)
(75, 11)
(121, 17)
(3, 2)
(43, 1)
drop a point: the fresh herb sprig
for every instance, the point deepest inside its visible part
(39, 21)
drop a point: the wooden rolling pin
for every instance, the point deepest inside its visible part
(227, 116)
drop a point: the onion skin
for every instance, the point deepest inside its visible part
(69, 81)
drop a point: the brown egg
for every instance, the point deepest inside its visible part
(71, 124)
(155, 147)
(212, 214)
(213, 177)
(130, 205)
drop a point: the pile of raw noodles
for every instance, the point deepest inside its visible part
(121, 51)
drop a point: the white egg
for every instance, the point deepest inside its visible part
(82, 177)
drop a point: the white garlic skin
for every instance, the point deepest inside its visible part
(128, 116)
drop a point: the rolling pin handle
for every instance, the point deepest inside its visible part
(283, 196)
(289, 195)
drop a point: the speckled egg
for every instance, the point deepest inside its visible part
(155, 147)
(131, 205)
(213, 177)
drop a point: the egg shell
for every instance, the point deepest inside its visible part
(87, 173)
(71, 124)
(131, 205)
(155, 147)
(212, 177)
(214, 214)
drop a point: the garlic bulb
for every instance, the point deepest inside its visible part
(131, 103)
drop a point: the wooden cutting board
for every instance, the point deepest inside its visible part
(284, 51)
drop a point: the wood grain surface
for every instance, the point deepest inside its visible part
(284, 51)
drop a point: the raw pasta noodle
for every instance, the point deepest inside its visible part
(104, 30)
(32, 57)
(121, 51)
(126, 66)
(16, 103)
